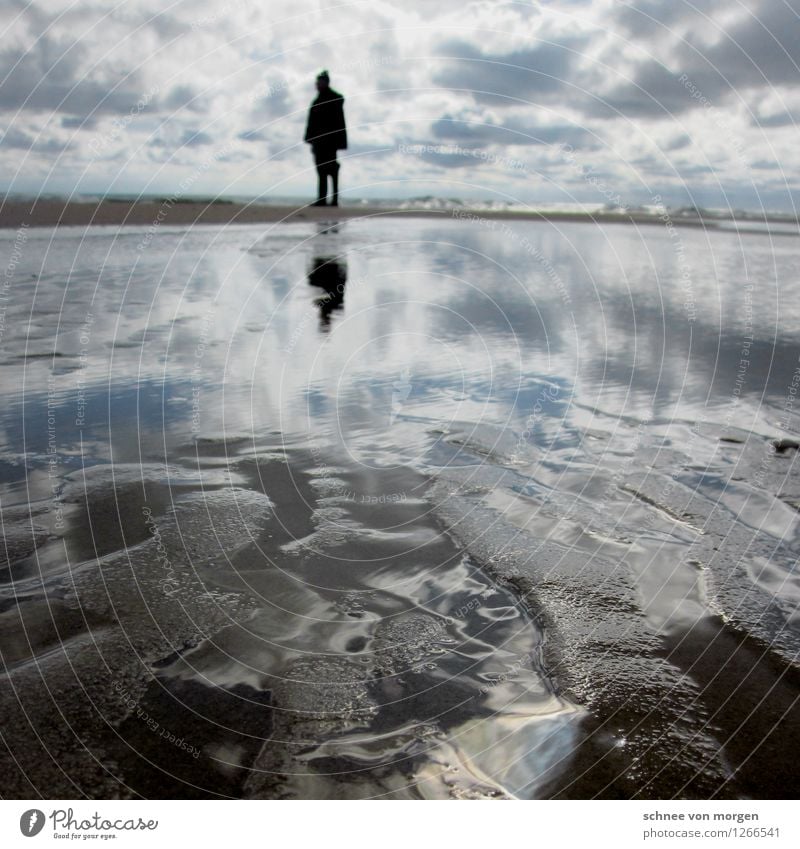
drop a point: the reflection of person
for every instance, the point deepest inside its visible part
(329, 274)
(326, 133)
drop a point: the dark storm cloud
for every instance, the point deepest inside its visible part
(55, 76)
(702, 66)
(645, 18)
(182, 97)
(781, 119)
(654, 92)
(507, 78)
(761, 50)
(671, 169)
(355, 149)
(172, 137)
(686, 171)
(692, 63)
(275, 103)
(164, 25)
(446, 159)
(195, 138)
(17, 139)
(513, 131)
(77, 122)
(254, 136)
(678, 143)
(442, 155)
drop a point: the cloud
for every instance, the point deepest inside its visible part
(368, 150)
(650, 18)
(654, 92)
(679, 169)
(182, 96)
(762, 50)
(695, 61)
(173, 136)
(52, 77)
(678, 143)
(638, 65)
(442, 156)
(253, 136)
(275, 103)
(513, 131)
(779, 119)
(17, 139)
(72, 122)
(506, 78)
(195, 138)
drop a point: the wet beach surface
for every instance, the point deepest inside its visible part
(399, 509)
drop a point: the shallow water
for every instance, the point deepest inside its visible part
(400, 509)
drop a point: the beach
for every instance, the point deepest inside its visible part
(178, 211)
(397, 503)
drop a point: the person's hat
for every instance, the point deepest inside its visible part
(323, 75)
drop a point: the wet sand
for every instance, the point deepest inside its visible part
(363, 510)
(52, 213)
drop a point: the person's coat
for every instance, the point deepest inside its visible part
(326, 128)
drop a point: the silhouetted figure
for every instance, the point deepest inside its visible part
(329, 274)
(326, 133)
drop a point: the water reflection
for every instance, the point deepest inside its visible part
(573, 400)
(329, 274)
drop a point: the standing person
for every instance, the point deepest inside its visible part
(326, 133)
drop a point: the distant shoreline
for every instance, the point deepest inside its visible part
(54, 213)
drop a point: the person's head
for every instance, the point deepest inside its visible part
(323, 81)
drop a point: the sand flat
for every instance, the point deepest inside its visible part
(51, 213)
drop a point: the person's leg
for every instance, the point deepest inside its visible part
(322, 185)
(321, 161)
(335, 181)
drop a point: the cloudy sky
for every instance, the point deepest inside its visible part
(569, 100)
